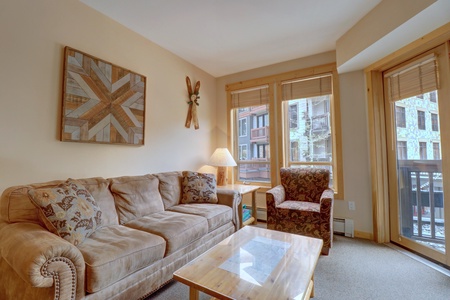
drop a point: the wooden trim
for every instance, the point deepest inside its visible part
(378, 156)
(317, 70)
(337, 138)
(431, 40)
(363, 235)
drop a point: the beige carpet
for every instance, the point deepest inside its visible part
(360, 269)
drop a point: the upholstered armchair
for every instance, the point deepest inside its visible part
(302, 204)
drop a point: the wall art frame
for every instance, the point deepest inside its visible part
(102, 102)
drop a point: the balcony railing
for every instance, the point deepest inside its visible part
(255, 170)
(260, 134)
(421, 200)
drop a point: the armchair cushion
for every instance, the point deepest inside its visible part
(299, 205)
(68, 210)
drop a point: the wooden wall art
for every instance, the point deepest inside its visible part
(193, 103)
(102, 103)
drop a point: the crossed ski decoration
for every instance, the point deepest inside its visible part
(193, 103)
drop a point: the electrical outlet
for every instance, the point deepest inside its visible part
(351, 205)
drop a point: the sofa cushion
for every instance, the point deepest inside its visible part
(136, 196)
(68, 210)
(177, 229)
(170, 188)
(199, 188)
(216, 214)
(112, 253)
(99, 189)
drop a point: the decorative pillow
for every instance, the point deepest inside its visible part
(68, 210)
(199, 188)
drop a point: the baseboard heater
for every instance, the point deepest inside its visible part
(343, 227)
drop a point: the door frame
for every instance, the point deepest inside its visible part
(377, 130)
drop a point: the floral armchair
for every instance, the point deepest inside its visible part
(302, 204)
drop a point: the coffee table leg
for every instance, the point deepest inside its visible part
(193, 294)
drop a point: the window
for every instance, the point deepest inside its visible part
(400, 116)
(433, 96)
(243, 127)
(423, 150)
(402, 150)
(307, 115)
(253, 151)
(243, 152)
(313, 137)
(434, 122)
(293, 116)
(294, 151)
(436, 151)
(421, 119)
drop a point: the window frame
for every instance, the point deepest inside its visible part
(276, 144)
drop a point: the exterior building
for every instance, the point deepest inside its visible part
(254, 147)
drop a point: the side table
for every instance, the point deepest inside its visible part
(243, 189)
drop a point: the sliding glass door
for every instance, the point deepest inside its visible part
(418, 130)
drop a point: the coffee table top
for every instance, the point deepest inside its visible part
(255, 263)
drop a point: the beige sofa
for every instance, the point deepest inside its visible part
(146, 234)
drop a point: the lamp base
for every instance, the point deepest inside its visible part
(221, 175)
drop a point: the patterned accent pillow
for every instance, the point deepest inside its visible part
(198, 188)
(68, 210)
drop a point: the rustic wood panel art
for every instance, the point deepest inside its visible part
(102, 103)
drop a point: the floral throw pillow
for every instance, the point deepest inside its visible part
(68, 210)
(199, 188)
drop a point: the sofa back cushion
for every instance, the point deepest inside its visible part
(136, 196)
(170, 188)
(16, 206)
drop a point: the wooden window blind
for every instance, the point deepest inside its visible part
(250, 97)
(416, 78)
(307, 87)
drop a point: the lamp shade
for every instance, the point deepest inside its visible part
(222, 158)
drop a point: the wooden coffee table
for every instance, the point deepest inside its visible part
(255, 263)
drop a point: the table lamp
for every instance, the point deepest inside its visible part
(222, 159)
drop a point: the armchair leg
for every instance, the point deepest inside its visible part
(325, 250)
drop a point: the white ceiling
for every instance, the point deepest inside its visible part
(227, 36)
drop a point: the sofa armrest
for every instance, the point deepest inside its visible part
(43, 259)
(232, 199)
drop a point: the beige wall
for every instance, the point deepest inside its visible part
(33, 35)
(354, 134)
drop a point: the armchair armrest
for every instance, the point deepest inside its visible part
(42, 259)
(326, 219)
(326, 202)
(275, 196)
(232, 199)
